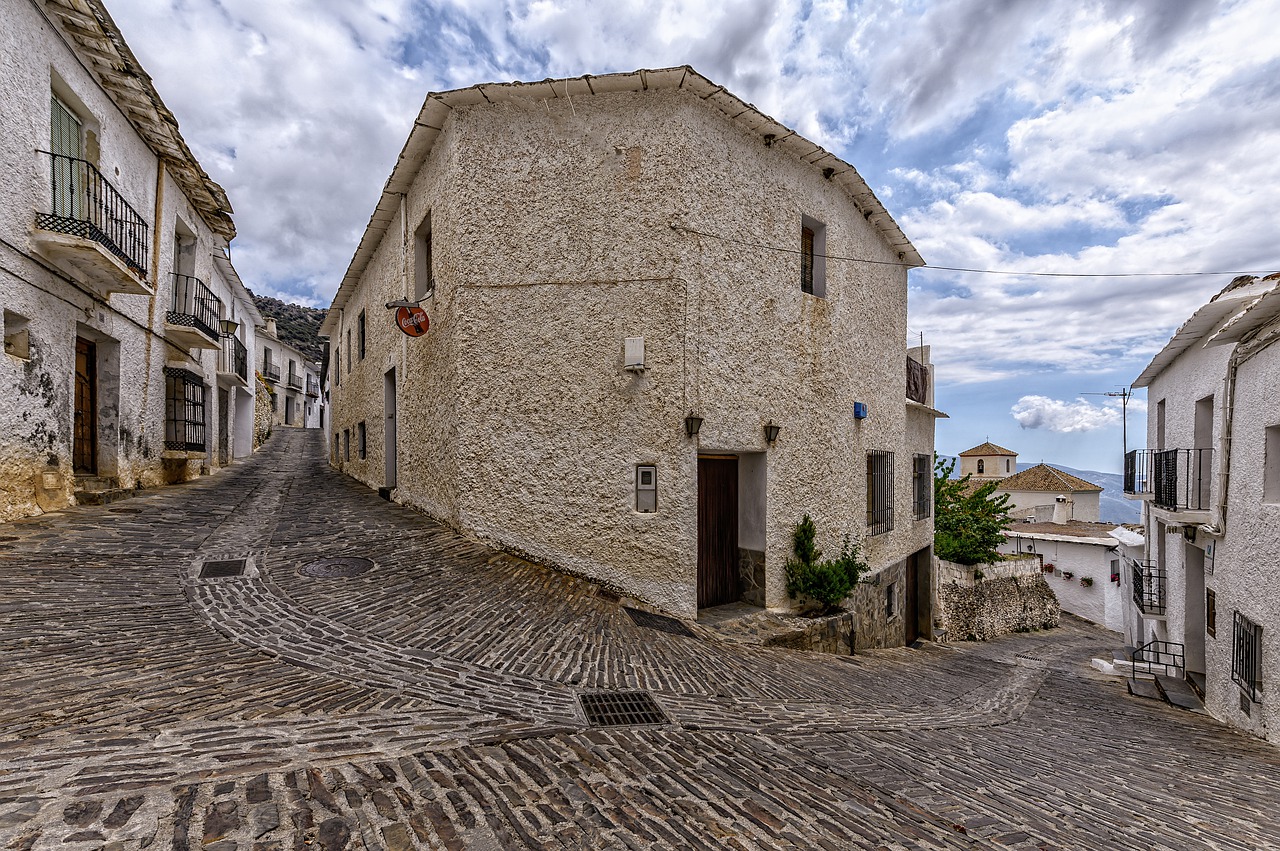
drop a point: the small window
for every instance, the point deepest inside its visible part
(1270, 463)
(891, 600)
(879, 492)
(1007, 464)
(922, 485)
(17, 339)
(424, 278)
(981, 467)
(346, 444)
(337, 445)
(1246, 656)
(646, 488)
(348, 351)
(360, 333)
(813, 257)
(184, 410)
(337, 366)
(361, 447)
(1211, 612)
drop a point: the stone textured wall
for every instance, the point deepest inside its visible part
(552, 242)
(263, 416)
(985, 609)
(833, 634)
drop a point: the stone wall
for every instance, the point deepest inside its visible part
(263, 416)
(832, 634)
(982, 610)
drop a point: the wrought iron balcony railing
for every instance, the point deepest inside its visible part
(84, 204)
(295, 381)
(194, 305)
(1148, 587)
(917, 381)
(270, 371)
(1137, 471)
(313, 387)
(234, 358)
(1182, 478)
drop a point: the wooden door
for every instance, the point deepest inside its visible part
(84, 452)
(911, 600)
(717, 531)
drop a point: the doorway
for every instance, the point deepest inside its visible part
(224, 428)
(389, 426)
(717, 530)
(917, 596)
(1193, 629)
(84, 454)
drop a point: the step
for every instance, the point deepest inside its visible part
(1179, 693)
(1146, 688)
(1124, 654)
(1197, 682)
(102, 497)
(96, 484)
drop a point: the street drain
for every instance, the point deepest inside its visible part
(662, 623)
(125, 510)
(222, 569)
(621, 709)
(336, 568)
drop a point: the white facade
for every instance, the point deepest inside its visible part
(113, 274)
(293, 381)
(552, 241)
(1208, 574)
(1084, 559)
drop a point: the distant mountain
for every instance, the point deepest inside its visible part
(296, 325)
(1112, 506)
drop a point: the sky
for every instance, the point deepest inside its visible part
(1085, 137)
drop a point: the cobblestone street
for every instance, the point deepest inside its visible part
(433, 702)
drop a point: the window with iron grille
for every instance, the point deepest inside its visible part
(1211, 612)
(184, 410)
(1246, 656)
(346, 444)
(879, 492)
(360, 333)
(922, 485)
(360, 439)
(813, 260)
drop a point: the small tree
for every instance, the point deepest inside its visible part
(969, 522)
(827, 582)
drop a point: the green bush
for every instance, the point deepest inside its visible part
(828, 582)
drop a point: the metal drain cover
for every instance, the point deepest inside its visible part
(661, 623)
(336, 568)
(222, 569)
(621, 709)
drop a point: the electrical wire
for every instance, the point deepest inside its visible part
(927, 267)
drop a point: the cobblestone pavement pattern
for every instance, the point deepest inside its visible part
(432, 702)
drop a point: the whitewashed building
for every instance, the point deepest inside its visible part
(114, 277)
(1205, 595)
(988, 461)
(292, 380)
(646, 359)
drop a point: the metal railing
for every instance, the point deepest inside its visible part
(234, 358)
(194, 305)
(922, 485)
(1182, 478)
(313, 387)
(184, 411)
(295, 381)
(1137, 471)
(1148, 587)
(879, 492)
(917, 381)
(1246, 656)
(1169, 656)
(270, 371)
(84, 204)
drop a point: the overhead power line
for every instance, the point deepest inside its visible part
(787, 250)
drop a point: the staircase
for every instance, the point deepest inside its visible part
(1157, 671)
(99, 490)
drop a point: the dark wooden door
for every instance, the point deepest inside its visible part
(911, 600)
(84, 450)
(717, 531)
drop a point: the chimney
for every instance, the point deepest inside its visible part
(1061, 509)
(271, 327)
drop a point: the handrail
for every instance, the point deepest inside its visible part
(83, 203)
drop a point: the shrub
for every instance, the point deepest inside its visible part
(828, 582)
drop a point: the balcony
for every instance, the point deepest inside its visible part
(91, 232)
(295, 381)
(1148, 588)
(271, 372)
(192, 320)
(1181, 479)
(917, 381)
(233, 362)
(313, 387)
(1137, 473)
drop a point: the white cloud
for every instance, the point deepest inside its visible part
(1041, 412)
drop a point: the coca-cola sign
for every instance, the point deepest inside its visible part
(413, 321)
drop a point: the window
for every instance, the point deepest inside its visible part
(360, 333)
(1211, 612)
(337, 366)
(879, 492)
(1246, 656)
(424, 278)
(17, 339)
(184, 410)
(891, 600)
(1007, 464)
(813, 259)
(1270, 463)
(337, 445)
(360, 439)
(922, 485)
(346, 444)
(348, 351)
(981, 467)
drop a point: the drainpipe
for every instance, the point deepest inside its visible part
(155, 295)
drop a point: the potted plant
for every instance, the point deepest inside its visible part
(1047, 567)
(1086, 581)
(1067, 574)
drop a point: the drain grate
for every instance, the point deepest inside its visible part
(662, 623)
(621, 709)
(223, 569)
(336, 568)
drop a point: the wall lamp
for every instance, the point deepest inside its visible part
(692, 424)
(771, 432)
(227, 327)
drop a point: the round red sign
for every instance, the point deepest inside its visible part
(413, 321)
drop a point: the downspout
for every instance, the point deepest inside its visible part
(155, 293)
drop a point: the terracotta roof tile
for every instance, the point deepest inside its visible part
(988, 448)
(1042, 477)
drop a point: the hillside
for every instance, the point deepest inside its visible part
(297, 325)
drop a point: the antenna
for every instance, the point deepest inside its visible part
(1123, 394)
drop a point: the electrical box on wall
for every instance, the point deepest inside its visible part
(633, 354)
(646, 488)
(860, 410)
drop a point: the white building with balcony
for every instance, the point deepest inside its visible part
(1205, 598)
(291, 379)
(115, 282)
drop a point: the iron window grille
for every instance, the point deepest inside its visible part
(1148, 587)
(1211, 612)
(1246, 656)
(922, 485)
(346, 444)
(194, 305)
(184, 411)
(879, 492)
(84, 204)
(806, 260)
(361, 446)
